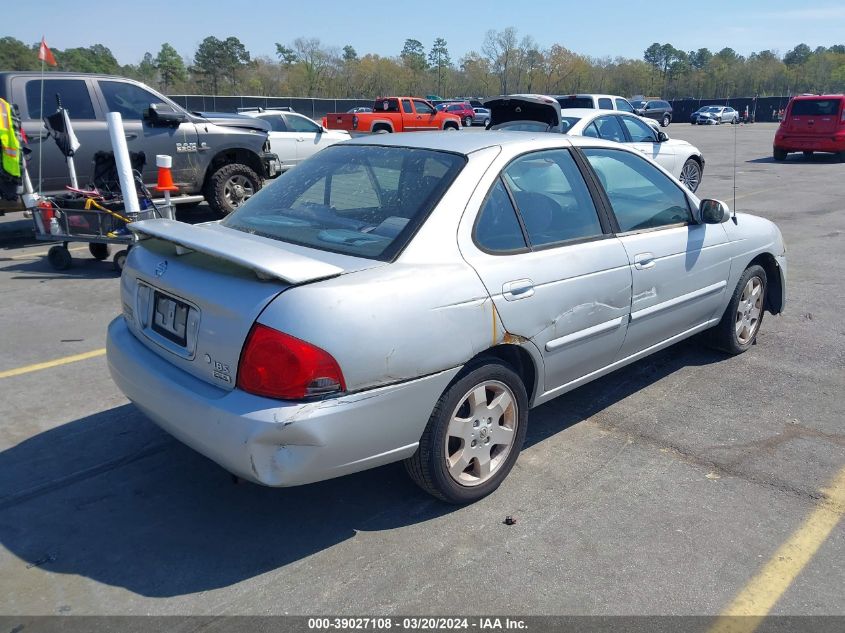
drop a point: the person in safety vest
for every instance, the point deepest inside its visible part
(11, 165)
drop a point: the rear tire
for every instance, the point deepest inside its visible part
(807, 154)
(474, 434)
(665, 121)
(230, 186)
(740, 324)
(468, 121)
(119, 260)
(779, 154)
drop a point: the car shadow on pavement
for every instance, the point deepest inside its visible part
(113, 498)
(84, 267)
(798, 159)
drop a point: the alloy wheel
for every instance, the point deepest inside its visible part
(749, 310)
(481, 433)
(238, 189)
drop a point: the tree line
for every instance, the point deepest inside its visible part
(504, 63)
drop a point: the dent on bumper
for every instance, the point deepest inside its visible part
(272, 442)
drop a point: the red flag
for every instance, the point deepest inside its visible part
(45, 54)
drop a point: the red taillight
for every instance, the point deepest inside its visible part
(277, 365)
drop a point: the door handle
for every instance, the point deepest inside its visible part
(299, 139)
(644, 261)
(131, 136)
(518, 289)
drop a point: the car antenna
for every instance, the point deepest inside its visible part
(733, 206)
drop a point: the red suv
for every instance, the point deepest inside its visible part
(462, 109)
(812, 123)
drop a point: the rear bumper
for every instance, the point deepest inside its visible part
(273, 442)
(820, 143)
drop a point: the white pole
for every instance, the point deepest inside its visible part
(122, 162)
(42, 139)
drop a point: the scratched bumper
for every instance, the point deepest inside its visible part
(273, 442)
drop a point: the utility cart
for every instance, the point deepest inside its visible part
(100, 224)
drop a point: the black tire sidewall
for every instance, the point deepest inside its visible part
(726, 335)
(452, 490)
(214, 193)
(59, 258)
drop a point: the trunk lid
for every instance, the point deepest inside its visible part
(814, 116)
(191, 293)
(512, 108)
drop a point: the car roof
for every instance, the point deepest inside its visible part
(468, 142)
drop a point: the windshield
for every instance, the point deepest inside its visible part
(713, 109)
(362, 200)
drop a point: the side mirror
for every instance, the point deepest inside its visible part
(713, 211)
(164, 114)
(662, 137)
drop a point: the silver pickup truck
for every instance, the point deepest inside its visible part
(224, 159)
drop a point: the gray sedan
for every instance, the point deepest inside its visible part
(411, 297)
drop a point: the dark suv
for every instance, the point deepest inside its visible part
(656, 109)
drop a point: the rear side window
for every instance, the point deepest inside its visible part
(277, 123)
(498, 229)
(363, 200)
(815, 107)
(609, 129)
(605, 104)
(406, 107)
(552, 198)
(73, 92)
(575, 102)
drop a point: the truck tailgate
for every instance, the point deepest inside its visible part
(340, 121)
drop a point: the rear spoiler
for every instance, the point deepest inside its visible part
(266, 259)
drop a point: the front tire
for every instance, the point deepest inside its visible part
(691, 174)
(474, 434)
(230, 186)
(741, 322)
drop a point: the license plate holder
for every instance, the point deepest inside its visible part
(170, 318)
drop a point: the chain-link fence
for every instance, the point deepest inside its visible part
(760, 108)
(314, 108)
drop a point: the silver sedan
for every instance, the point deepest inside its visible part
(482, 116)
(411, 297)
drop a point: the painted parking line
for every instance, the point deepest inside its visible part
(761, 593)
(52, 363)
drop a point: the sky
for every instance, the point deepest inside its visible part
(608, 28)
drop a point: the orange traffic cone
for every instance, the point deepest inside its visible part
(165, 175)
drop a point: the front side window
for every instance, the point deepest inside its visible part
(301, 124)
(422, 107)
(363, 200)
(73, 93)
(498, 229)
(552, 198)
(609, 129)
(640, 132)
(128, 99)
(641, 195)
(605, 104)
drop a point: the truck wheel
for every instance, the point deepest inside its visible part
(230, 186)
(450, 127)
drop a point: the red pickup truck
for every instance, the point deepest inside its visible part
(394, 114)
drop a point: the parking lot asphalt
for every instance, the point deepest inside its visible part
(688, 483)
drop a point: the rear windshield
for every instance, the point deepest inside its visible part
(566, 123)
(575, 102)
(362, 200)
(816, 107)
